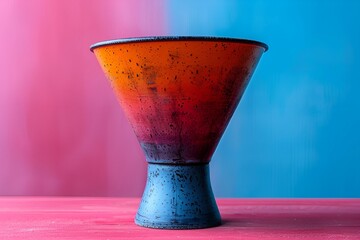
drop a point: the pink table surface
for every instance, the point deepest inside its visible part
(112, 218)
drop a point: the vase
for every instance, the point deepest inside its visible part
(178, 94)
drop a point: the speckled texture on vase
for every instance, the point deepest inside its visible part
(178, 197)
(179, 95)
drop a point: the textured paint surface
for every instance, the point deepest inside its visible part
(178, 197)
(296, 130)
(112, 218)
(295, 133)
(179, 95)
(61, 129)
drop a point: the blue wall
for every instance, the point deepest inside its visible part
(296, 132)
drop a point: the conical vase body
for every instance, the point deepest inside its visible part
(179, 94)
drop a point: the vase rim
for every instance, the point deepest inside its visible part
(177, 38)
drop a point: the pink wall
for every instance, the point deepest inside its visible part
(61, 129)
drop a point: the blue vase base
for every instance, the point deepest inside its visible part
(178, 197)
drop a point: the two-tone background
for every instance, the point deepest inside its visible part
(295, 133)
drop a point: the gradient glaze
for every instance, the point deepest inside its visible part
(179, 94)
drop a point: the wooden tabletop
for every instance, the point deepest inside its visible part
(112, 218)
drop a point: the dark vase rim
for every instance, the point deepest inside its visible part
(177, 38)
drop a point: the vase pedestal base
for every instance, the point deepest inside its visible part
(178, 197)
